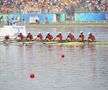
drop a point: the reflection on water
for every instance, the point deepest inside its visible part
(82, 68)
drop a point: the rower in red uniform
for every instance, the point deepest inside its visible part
(39, 37)
(91, 37)
(6, 38)
(59, 37)
(81, 37)
(29, 37)
(49, 37)
(70, 37)
(20, 37)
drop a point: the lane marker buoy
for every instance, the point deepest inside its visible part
(32, 75)
(62, 55)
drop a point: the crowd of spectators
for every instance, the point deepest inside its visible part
(52, 6)
(96, 5)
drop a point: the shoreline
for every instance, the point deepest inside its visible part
(70, 24)
(52, 26)
(66, 24)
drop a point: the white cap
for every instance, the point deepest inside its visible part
(59, 32)
(69, 32)
(39, 32)
(81, 31)
(28, 32)
(89, 33)
(47, 32)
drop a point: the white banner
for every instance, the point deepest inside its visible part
(54, 18)
(12, 30)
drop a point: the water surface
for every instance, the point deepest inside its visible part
(82, 68)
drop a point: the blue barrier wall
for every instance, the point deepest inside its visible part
(78, 17)
(91, 16)
(26, 17)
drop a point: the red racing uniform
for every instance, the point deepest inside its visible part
(29, 37)
(81, 37)
(91, 38)
(6, 38)
(49, 37)
(71, 37)
(40, 36)
(60, 37)
(21, 37)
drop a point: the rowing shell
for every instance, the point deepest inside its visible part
(60, 43)
(65, 43)
(81, 43)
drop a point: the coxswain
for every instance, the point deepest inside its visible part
(20, 37)
(91, 37)
(49, 37)
(81, 37)
(59, 37)
(6, 39)
(39, 37)
(70, 37)
(29, 37)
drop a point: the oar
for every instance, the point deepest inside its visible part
(1, 41)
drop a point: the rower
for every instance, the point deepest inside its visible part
(91, 37)
(49, 37)
(59, 37)
(29, 37)
(6, 38)
(81, 37)
(70, 37)
(39, 37)
(20, 37)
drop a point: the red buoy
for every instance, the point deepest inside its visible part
(32, 75)
(62, 55)
(26, 45)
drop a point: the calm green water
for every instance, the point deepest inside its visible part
(82, 68)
